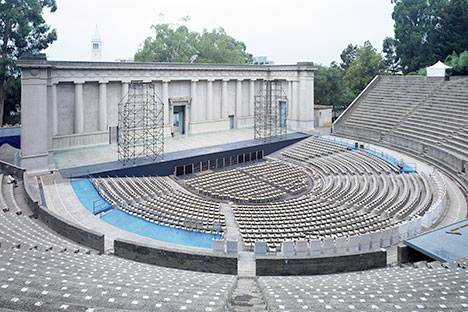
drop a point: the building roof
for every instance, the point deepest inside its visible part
(319, 106)
(439, 64)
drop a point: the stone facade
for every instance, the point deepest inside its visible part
(69, 104)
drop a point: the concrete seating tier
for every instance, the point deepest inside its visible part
(389, 101)
(422, 286)
(434, 126)
(257, 183)
(38, 280)
(450, 103)
(17, 229)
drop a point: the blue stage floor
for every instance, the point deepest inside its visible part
(87, 195)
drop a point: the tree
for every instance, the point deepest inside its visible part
(451, 35)
(459, 64)
(364, 68)
(22, 29)
(329, 88)
(169, 45)
(12, 100)
(218, 47)
(428, 30)
(390, 56)
(348, 56)
(179, 44)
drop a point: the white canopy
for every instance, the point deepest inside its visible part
(439, 64)
(437, 70)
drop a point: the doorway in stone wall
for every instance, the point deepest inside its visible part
(178, 119)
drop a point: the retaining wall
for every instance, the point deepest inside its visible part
(268, 265)
(175, 259)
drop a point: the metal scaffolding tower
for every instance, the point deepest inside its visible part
(141, 124)
(270, 112)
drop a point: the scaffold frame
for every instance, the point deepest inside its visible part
(269, 115)
(140, 124)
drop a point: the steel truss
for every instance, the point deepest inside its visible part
(140, 124)
(268, 122)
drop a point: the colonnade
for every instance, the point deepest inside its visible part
(197, 112)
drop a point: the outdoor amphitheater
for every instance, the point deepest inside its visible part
(223, 196)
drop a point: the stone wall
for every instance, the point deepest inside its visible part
(407, 254)
(320, 265)
(173, 259)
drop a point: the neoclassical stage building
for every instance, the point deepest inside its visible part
(71, 104)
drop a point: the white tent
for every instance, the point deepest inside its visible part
(437, 70)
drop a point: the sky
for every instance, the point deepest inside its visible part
(286, 31)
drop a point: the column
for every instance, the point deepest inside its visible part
(35, 137)
(103, 105)
(238, 98)
(224, 99)
(289, 103)
(209, 99)
(165, 99)
(124, 91)
(251, 110)
(54, 109)
(79, 121)
(306, 99)
(294, 106)
(193, 102)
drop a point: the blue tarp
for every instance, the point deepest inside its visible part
(11, 136)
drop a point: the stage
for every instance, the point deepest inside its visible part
(178, 153)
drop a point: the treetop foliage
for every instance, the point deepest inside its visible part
(22, 30)
(179, 44)
(459, 63)
(426, 31)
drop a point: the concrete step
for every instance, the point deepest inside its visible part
(247, 296)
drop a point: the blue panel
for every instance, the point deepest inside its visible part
(87, 194)
(445, 244)
(13, 131)
(11, 136)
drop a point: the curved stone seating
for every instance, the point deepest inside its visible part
(54, 281)
(419, 287)
(433, 125)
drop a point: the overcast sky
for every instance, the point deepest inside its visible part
(286, 31)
